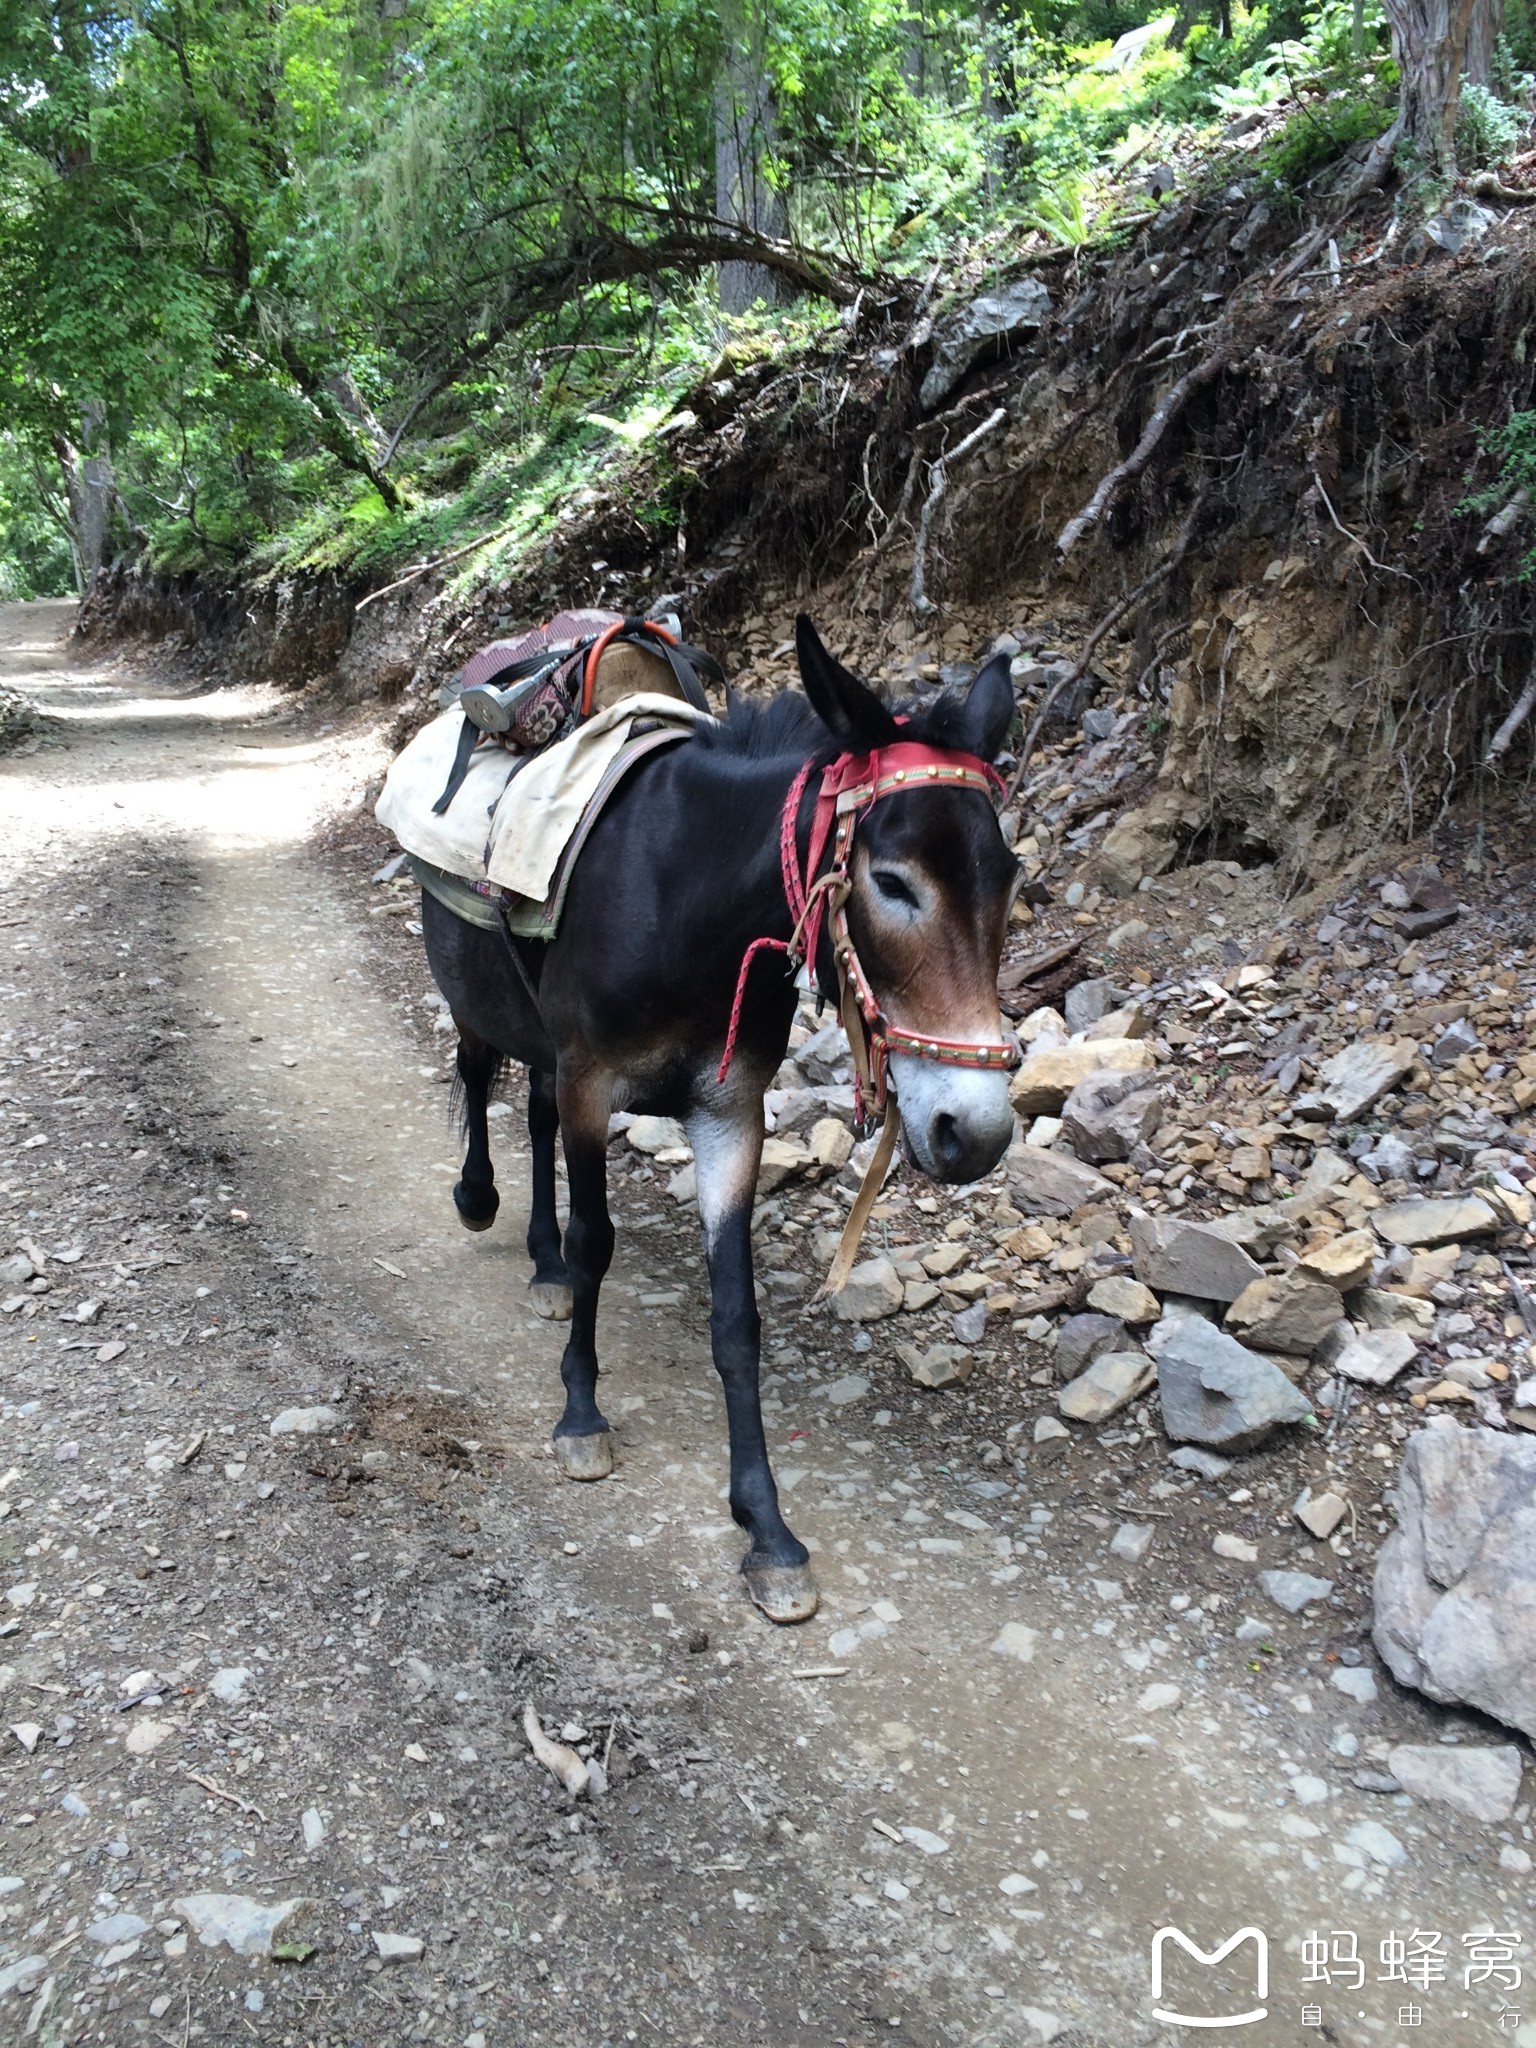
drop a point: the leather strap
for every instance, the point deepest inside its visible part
(469, 739)
(858, 1216)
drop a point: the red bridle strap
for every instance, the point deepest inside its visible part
(849, 786)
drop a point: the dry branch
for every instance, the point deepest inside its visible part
(1124, 473)
(1037, 964)
(426, 568)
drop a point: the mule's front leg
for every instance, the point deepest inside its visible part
(474, 1194)
(583, 1448)
(727, 1152)
(551, 1283)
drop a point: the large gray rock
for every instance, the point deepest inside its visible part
(1353, 1079)
(1434, 1222)
(1483, 1781)
(1455, 1589)
(1384, 1308)
(1258, 1231)
(1295, 1590)
(1189, 1258)
(1111, 1383)
(1088, 1002)
(1291, 1313)
(1133, 849)
(941, 1365)
(982, 329)
(240, 1923)
(1050, 1184)
(872, 1290)
(1375, 1357)
(1109, 1114)
(1216, 1392)
(1082, 1339)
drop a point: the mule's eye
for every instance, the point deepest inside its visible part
(894, 889)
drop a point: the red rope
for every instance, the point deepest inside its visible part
(794, 896)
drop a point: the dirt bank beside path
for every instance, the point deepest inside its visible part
(292, 1667)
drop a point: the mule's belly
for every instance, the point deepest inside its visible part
(474, 971)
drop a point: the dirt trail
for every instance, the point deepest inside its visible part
(266, 1111)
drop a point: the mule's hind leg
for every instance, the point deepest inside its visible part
(474, 1195)
(727, 1149)
(583, 1448)
(550, 1286)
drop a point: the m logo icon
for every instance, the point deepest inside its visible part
(1259, 2011)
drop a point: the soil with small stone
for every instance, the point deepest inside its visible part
(284, 1557)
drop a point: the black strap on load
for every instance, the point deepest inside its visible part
(469, 738)
(684, 659)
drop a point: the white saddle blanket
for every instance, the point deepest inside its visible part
(513, 815)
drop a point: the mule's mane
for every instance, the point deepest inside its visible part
(764, 729)
(786, 725)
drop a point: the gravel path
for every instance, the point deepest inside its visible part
(286, 1667)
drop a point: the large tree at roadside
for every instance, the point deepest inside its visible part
(1440, 45)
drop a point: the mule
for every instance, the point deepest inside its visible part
(643, 1002)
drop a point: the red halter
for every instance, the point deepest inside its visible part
(849, 787)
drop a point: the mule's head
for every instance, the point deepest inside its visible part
(932, 880)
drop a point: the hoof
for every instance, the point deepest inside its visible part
(551, 1299)
(584, 1457)
(785, 1592)
(475, 1218)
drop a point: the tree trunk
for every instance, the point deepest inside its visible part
(1438, 44)
(92, 490)
(744, 140)
(1482, 36)
(988, 103)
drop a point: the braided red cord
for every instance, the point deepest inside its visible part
(794, 896)
(757, 946)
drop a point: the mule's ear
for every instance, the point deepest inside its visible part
(850, 712)
(987, 711)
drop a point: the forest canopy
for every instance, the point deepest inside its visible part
(282, 281)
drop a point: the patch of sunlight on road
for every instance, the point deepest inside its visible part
(225, 796)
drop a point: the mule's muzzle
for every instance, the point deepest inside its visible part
(956, 1122)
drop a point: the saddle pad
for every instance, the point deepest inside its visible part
(483, 904)
(514, 816)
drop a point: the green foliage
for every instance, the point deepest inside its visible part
(1318, 135)
(1513, 446)
(1517, 43)
(1487, 129)
(35, 558)
(350, 281)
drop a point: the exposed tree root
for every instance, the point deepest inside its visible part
(1498, 746)
(1125, 473)
(1386, 568)
(1491, 186)
(1501, 522)
(938, 488)
(1111, 618)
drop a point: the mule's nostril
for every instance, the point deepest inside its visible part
(946, 1139)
